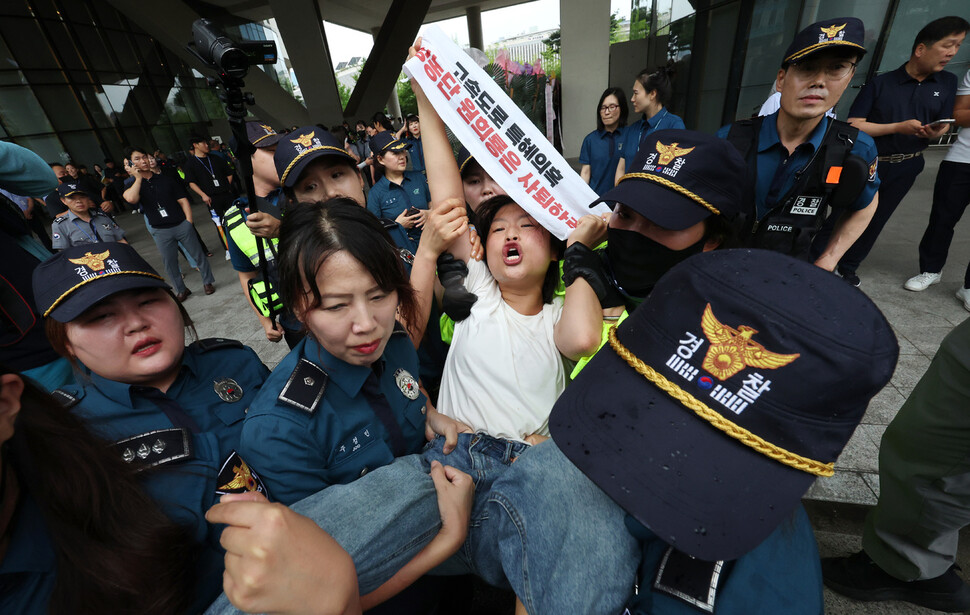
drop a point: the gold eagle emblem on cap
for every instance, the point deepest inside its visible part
(831, 31)
(304, 140)
(732, 350)
(243, 479)
(94, 262)
(669, 152)
(267, 128)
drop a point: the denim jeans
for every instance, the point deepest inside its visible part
(538, 525)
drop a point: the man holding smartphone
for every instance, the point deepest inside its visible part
(900, 111)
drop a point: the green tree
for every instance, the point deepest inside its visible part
(405, 96)
(554, 41)
(344, 93)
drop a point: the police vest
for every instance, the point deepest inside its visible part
(833, 177)
(263, 298)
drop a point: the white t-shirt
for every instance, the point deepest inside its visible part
(773, 103)
(960, 149)
(503, 373)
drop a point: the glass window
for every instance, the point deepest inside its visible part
(27, 43)
(83, 147)
(42, 77)
(97, 105)
(107, 16)
(48, 147)
(64, 44)
(96, 55)
(165, 138)
(122, 104)
(14, 7)
(44, 8)
(123, 53)
(12, 77)
(715, 66)
(679, 42)
(21, 113)
(78, 11)
(773, 24)
(62, 107)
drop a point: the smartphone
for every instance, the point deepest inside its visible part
(946, 121)
(412, 211)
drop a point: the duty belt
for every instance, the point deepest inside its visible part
(894, 158)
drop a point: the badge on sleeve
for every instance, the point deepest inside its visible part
(228, 390)
(235, 476)
(406, 382)
(691, 580)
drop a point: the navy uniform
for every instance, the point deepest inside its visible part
(185, 435)
(28, 570)
(389, 199)
(319, 421)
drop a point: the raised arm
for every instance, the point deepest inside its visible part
(579, 329)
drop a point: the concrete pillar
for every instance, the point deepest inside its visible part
(473, 15)
(585, 53)
(383, 66)
(170, 23)
(393, 102)
(301, 27)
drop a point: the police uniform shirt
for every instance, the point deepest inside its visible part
(159, 197)
(602, 151)
(416, 153)
(204, 172)
(184, 487)
(70, 230)
(780, 575)
(311, 425)
(388, 199)
(28, 570)
(896, 97)
(635, 133)
(776, 169)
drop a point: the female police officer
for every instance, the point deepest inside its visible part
(174, 409)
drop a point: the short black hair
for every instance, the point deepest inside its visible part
(55, 164)
(621, 97)
(132, 149)
(939, 29)
(381, 120)
(193, 139)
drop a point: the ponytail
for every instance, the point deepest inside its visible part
(659, 81)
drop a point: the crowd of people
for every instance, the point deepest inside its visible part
(621, 421)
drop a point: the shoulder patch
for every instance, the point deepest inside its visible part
(60, 219)
(236, 476)
(68, 397)
(305, 386)
(399, 329)
(215, 343)
(156, 448)
(690, 580)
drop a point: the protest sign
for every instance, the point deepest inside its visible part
(500, 136)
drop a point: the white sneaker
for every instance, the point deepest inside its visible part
(964, 295)
(922, 281)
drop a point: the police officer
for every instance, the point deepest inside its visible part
(899, 109)
(400, 195)
(83, 222)
(175, 409)
(242, 227)
(799, 160)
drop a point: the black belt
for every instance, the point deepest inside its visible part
(894, 158)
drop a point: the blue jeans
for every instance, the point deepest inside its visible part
(538, 525)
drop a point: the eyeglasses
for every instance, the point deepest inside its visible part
(833, 70)
(609, 107)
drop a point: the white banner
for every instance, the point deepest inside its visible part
(500, 136)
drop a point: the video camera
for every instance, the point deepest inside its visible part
(221, 54)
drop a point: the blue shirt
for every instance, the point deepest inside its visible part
(184, 489)
(299, 452)
(780, 575)
(416, 152)
(29, 567)
(601, 150)
(895, 97)
(776, 169)
(387, 199)
(635, 133)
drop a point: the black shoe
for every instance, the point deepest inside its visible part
(858, 577)
(182, 296)
(850, 277)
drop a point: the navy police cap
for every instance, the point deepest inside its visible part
(66, 189)
(680, 177)
(844, 32)
(298, 148)
(78, 277)
(719, 401)
(464, 157)
(384, 141)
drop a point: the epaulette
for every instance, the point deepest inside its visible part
(689, 579)
(68, 397)
(60, 219)
(156, 448)
(399, 329)
(305, 386)
(215, 343)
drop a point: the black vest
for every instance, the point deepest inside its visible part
(833, 177)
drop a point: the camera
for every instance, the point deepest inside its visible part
(222, 54)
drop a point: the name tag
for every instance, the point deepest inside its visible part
(162, 212)
(215, 182)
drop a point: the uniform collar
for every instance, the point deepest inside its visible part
(659, 115)
(604, 132)
(768, 135)
(904, 77)
(122, 393)
(348, 378)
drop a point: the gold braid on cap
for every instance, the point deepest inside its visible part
(673, 186)
(737, 432)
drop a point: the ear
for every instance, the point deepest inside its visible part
(711, 244)
(920, 50)
(11, 388)
(780, 79)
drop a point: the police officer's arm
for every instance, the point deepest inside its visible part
(273, 333)
(263, 225)
(456, 492)
(579, 330)
(279, 561)
(849, 227)
(585, 172)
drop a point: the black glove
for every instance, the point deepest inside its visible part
(456, 301)
(579, 261)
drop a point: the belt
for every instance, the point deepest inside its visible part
(894, 158)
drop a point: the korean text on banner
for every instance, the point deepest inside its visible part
(500, 136)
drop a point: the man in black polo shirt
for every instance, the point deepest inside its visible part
(898, 110)
(209, 177)
(166, 205)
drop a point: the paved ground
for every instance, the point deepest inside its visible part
(837, 504)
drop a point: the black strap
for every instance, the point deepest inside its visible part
(382, 409)
(170, 407)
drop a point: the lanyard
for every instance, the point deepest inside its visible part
(208, 163)
(647, 124)
(96, 237)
